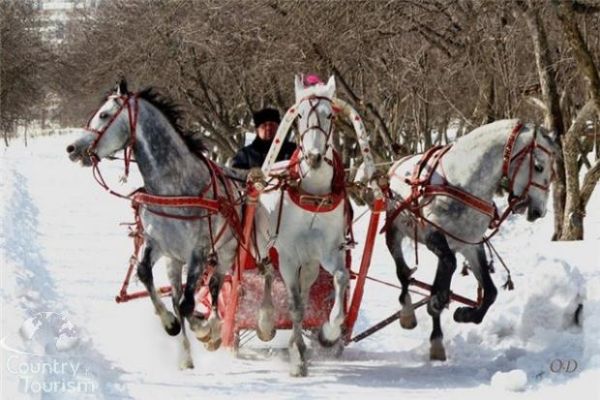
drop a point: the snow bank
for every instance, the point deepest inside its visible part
(514, 380)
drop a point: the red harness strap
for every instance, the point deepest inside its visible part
(464, 197)
(148, 199)
(224, 205)
(421, 186)
(318, 203)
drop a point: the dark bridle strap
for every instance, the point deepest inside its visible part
(313, 101)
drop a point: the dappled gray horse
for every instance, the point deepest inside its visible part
(145, 125)
(444, 199)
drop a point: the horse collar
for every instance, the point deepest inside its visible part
(317, 203)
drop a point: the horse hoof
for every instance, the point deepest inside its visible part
(203, 337)
(213, 345)
(265, 336)
(326, 342)
(201, 329)
(335, 351)
(408, 321)
(186, 364)
(437, 351)
(299, 370)
(467, 314)
(174, 328)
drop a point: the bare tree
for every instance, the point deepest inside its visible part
(23, 60)
(413, 69)
(578, 196)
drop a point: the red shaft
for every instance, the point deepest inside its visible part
(228, 330)
(378, 208)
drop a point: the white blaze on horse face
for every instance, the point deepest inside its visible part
(315, 116)
(116, 135)
(315, 126)
(537, 198)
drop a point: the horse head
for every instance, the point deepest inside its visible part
(315, 119)
(109, 130)
(533, 176)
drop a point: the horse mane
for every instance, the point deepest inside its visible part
(172, 111)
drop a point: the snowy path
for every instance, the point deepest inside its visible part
(64, 252)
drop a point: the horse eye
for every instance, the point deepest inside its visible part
(103, 115)
(538, 167)
(330, 116)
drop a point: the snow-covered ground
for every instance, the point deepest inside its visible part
(64, 255)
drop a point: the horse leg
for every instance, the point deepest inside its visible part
(187, 304)
(297, 347)
(331, 331)
(393, 240)
(265, 329)
(440, 292)
(308, 275)
(478, 264)
(144, 272)
(174, 272)
(214, 322)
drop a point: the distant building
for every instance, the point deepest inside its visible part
(55, 13)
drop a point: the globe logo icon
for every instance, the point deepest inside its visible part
(45, 333)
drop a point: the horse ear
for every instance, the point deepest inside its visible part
(121, 87)
(331, 86)
(552, 139)
(298, 86)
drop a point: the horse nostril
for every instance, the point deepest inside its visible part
(70, 148)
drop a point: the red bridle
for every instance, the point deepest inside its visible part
(519, 158)
(129, 102)
(313, 102)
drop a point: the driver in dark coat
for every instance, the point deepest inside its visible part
(266, 122)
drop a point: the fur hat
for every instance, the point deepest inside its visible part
(266, 115)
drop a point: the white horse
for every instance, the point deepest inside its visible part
(455, 208)
(306, 224)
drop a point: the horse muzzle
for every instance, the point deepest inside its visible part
(533, 214)
(77, 154)
(314, 160)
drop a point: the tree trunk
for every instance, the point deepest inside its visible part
(553, 116)
(575, 206)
